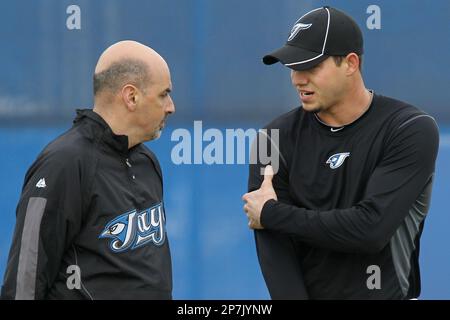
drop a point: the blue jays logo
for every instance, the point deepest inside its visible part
(297, 28)
(135, 229)
(336, 160)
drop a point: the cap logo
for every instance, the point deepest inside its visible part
(297, 28)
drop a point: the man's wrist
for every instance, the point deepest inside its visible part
(266, 213)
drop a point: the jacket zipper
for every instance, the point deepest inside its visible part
(127, 161)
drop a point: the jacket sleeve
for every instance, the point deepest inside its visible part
(405, 171)
(48, 217)
(276, 252)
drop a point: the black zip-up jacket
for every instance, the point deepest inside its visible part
(90, 222)
(351, 204)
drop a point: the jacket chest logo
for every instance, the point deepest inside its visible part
(135, 229)
(336, 160)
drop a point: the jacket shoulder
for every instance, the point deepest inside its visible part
(286, 121)
(70, 153)
(400, 111)
(404, 115)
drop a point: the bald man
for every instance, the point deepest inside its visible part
(90, 221)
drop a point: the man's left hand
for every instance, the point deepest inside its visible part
(255, 200)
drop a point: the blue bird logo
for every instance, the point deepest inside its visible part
(336, 160)
(134, 229)
(297, 28)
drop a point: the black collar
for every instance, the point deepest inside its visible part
(336, 131)
(106, 135)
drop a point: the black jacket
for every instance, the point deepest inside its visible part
(90, 221)
(350, 200)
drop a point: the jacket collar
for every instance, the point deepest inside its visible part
(117, 142)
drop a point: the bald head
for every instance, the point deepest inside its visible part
(132, 88)
(126, 62)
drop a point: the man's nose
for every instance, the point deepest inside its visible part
(299, 77)
(170, 106)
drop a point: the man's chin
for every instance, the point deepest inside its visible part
(157, 135)
(314, 109)
(154, 136)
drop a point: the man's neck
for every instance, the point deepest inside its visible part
(116, 125)
(348, 110)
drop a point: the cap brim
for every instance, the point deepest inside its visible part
(295, 58)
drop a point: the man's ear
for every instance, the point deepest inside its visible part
(352, 62)
(130, 96)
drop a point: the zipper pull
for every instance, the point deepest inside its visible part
(128, 163)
